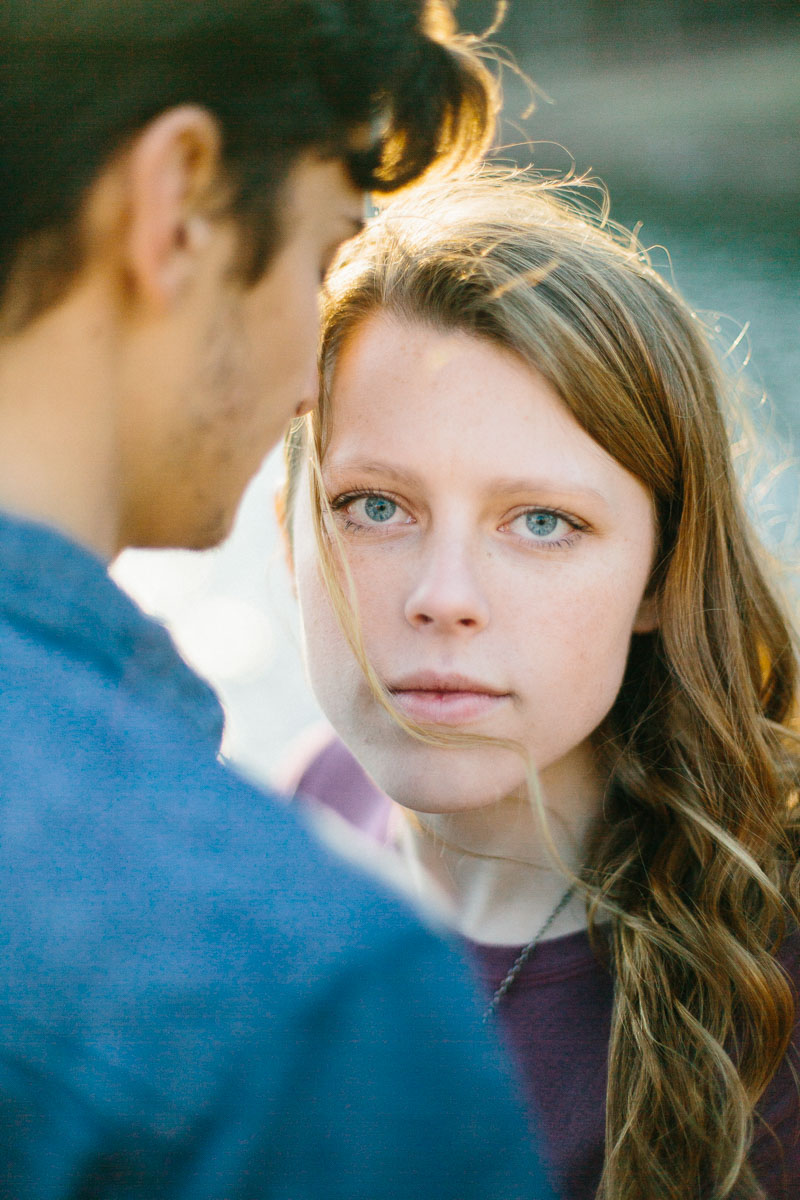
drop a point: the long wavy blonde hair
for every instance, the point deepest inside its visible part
(694, 865)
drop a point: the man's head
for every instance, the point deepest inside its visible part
(197, 163)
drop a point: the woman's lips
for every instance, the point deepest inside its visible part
(447, 705)
(447, 708)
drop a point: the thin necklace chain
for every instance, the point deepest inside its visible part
(481, 854)
(524, 955)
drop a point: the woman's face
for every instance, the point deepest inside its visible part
(500, 559)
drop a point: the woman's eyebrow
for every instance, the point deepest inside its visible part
(500, 485)
(555, 484)
(370, 467)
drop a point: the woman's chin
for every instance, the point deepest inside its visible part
(447, 790)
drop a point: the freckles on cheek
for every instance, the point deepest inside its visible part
(584, 633)
(603, 647)
(380, 608)
(322, 633)
(315, 602)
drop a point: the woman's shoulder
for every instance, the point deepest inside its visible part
(789, 953)
(788, 956)
(776, 1144)
(320, 767)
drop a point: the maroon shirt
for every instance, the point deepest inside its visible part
(557, 1020)
(557, 1014)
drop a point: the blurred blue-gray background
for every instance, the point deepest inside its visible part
(689, 111)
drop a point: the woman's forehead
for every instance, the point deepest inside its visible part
(409, 400)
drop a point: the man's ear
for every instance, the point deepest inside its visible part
(167, 177)
(647, 617)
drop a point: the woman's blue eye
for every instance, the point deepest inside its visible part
(542, 524)
(379, 508)
(362, 512)
(552, 530)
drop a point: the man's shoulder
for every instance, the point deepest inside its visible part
(161, 909)
(180, 950)
(137, 843)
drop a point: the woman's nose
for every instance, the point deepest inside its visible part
(447, 594)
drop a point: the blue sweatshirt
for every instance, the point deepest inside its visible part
(196, 999)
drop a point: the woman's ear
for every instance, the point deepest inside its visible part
(282, 517)
(647, 617)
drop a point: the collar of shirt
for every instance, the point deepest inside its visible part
(61, 591)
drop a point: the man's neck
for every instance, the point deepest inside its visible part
(58, 424)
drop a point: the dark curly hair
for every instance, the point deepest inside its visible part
(78, 78)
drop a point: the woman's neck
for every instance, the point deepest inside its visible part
(494, 862)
